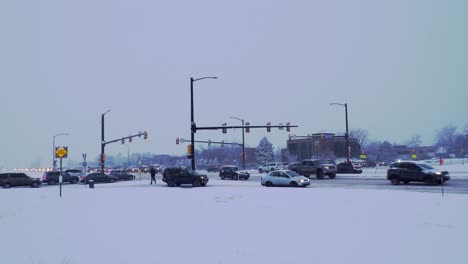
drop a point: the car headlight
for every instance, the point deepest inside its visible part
(326, 167)
(438, 173)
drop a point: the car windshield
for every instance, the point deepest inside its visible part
(292, 174)
(426, 166)
(327, 162)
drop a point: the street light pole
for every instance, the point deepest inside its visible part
(193, 127)
(103, 145)
(348, 149)
(243, 141)
(53, 149)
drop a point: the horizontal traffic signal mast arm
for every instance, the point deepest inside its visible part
(123, 138)
(232, 127)
(212, 142)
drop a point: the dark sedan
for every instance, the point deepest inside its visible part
(122, 175)
(348, 167)
(233, 172)
(99, 177)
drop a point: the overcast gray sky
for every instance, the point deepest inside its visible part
(401, 65)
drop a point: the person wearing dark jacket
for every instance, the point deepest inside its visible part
(153, 175)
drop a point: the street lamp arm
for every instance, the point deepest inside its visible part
(336, 104)
(209, 77)
(242, 120)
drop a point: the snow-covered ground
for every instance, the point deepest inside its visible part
(229, 222)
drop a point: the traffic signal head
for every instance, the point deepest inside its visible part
(268, 127)
(177, 140)
(209, 142)
(145, 135)
(130, 139)
(190, 150)
(123, 141)
(247, 129)
(288, 129)
(224, 129)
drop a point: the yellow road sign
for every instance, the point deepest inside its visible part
(61, 152)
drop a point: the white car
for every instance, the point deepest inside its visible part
(284, 178)
(272, 166)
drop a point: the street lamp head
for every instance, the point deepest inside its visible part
(106, 112)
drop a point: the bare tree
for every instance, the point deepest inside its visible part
(446, 136)
(360, 134)
(415, 141)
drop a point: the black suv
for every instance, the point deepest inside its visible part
(408, 171)
(8, 180)
(233, 172)
(175, 176)
(52, 177)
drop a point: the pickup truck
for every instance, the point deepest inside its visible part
(314, 166)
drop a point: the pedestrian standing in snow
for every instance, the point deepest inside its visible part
(153, 175)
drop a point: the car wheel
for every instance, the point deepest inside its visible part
(130, 178)
(171, 183)
(51, 182)
(222, 177)
(34, 184)
(293, 184)
(428, 180)
(196, 183)
(332, 175)
(395, 180)
(6, 185)
(319, 174)
(268, 184)
(203, 184)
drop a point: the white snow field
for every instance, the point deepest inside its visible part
(229, 222)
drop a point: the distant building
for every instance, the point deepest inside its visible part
(406, 153)
(320, 145)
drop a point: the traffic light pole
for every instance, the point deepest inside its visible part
(103, 145)
(192, 124)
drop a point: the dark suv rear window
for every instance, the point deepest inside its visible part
(3, 175)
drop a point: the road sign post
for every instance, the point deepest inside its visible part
(61, 152)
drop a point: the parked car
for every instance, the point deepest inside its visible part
(271, 166)
(53, 177)
(11, 179)
(408, 171)
(99, 177)
(233, 172)
(213, 168)
(175, 176)
(284, 178)
(122, 175)
(348, 167)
